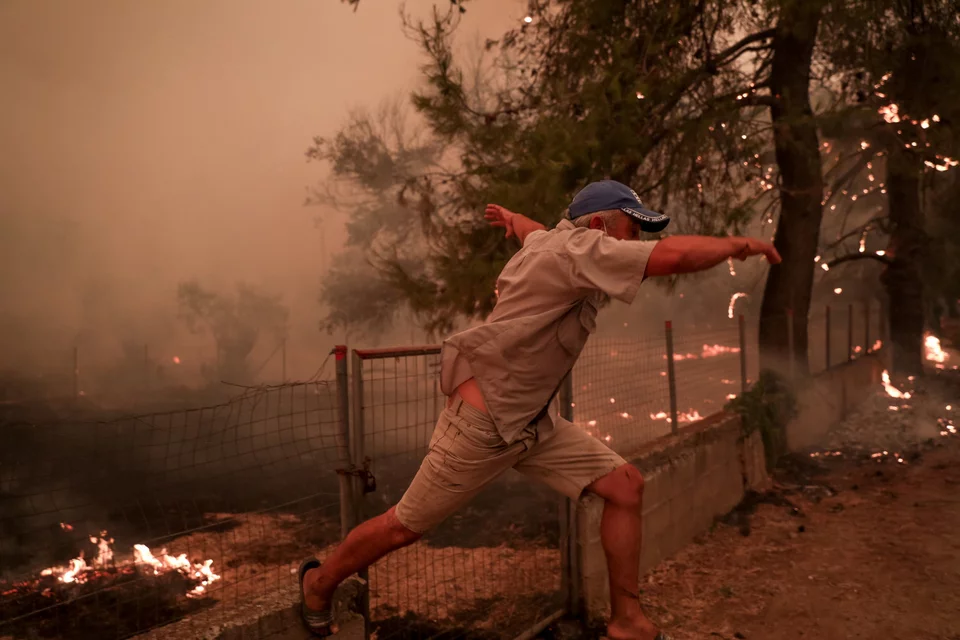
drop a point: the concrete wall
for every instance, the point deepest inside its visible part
(690, 479)
(703, 472)
(826, 399)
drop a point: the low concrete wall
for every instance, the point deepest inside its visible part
(828, 397)
(690, 479)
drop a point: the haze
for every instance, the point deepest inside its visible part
(151, 142)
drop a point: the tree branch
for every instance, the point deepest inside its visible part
(859, 256)
(866, 226)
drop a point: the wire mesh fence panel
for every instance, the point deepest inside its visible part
(620, 391)
(493, 567)
(110, 528)
(839, 335)
(817, 340)
(707, 366)
(854, 323)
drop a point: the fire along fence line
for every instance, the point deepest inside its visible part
(116, 527)
(109, 529)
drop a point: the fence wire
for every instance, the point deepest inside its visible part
(707, 365)
(493, 567)
(620, 391)
(110, 528)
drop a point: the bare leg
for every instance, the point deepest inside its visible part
(363, 546)
(620, 534)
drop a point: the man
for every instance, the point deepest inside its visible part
(502, 379)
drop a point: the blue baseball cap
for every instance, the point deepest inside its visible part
(607, 195)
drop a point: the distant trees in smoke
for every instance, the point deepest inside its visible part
(375, 160)
(236, 321)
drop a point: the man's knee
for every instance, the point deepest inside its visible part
(622, 487)
(398, 533)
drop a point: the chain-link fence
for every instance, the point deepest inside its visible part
(109, 528)
(492, 567)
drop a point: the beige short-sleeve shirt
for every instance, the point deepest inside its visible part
(549, 295)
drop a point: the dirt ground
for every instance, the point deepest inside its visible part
(855, 549)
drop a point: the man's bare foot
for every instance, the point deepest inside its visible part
(636, 628)
(313, 597)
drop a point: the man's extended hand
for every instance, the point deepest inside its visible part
(500, 217)
(754, 247)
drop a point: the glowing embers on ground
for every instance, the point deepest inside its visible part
(708, 351)
(880, 455)
(682, 416)
(891, 390)
(79, 571)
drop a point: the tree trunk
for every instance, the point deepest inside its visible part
(903, 279)
(797, 148)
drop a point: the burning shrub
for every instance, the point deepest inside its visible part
(768, 406)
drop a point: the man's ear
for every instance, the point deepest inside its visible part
(596, 223)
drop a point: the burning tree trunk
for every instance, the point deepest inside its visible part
(797, 149)
(902, 279)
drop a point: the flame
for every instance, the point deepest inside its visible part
(78, 571)
(931, 345)
(891, 390)
(176, 359)
(877, 345)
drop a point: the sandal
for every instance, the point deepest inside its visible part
(318, 622)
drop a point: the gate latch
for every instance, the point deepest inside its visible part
(365, 475)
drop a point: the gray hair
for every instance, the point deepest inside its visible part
(609, 218)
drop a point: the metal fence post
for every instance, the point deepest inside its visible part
(866, 326)
(791, 345)
(671, 378)
(569, 545)
(850, 333)
(743, 354)
(827, 340)
(348, 516)
(357, 460)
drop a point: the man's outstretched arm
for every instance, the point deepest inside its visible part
(515, 224)
(687, 254)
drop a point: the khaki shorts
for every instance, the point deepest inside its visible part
(467, 453)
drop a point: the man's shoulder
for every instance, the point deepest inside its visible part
(559, 238)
